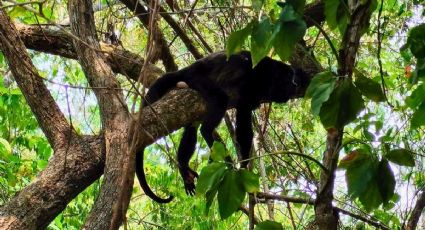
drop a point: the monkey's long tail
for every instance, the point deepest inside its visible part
(140, 172)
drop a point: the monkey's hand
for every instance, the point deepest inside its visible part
(188, 176)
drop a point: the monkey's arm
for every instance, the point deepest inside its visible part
(244, 133)
(184, 153)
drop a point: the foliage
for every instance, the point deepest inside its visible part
(382, 113)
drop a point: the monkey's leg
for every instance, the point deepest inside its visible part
(216, 107)
(184, 153)
(244, 133)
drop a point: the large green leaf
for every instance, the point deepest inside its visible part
(355, 157)
(289, 30)
(385, 181)
(237, 39)
(209, 197)
(418, 118)
(210, 176)
(371, 198)
(402, 157)
(369, 88)
(359, 175)
(218, 151)
(260, 40)
(337, 15)
(231, 194)
(257, 5)
(320, 89)
(342, 107)
(268, 225)
(4, 144)
(417, 97)
(298, 5)
(250, 180)
(416, 41)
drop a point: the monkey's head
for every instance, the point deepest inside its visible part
(302, 81)
(288, 83)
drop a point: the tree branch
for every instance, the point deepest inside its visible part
(50, 40)
(41, 102)
(326, 216)
(417, 211)
(108, 208)
(71, 170)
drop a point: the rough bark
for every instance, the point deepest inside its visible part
(47, 113)
(327, 217)
(113, 112)
(69, 172)
(51, 40)
(417, 211)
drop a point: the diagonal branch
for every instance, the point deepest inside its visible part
(42, 104)
(114, 116)
(326, 216)
(417, 211)
(50, 40)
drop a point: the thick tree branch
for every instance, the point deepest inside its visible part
(326, 217)
(51, 40)
(114, 116)
(71, 169)
(412, 223)
(42, 104)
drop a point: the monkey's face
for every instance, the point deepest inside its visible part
(302, 80)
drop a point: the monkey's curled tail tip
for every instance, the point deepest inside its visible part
(143, 182)
(162, 200)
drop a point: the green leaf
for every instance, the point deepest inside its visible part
(268, 225)
(418, 117)
(416, 41)
(359, 175)
(385, 181)
(218, 151)
(209, 197)
(237, 39)
(5, 145)
(210, 176)
(371, 198)
(357, 156)
(337, 15)
(289, 30)
(260, 40)
(289, 35)
(369, 88)
(288, 14)
(250, 180)
(231, 194)
(342, 107)
(320, 89)
(257, 5)
(417, 97)
(401, 157)
(298, 5)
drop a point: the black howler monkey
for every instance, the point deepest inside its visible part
(224, 83)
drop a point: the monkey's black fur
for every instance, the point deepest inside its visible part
(224, 84)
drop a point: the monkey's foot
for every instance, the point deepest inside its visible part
(188, 176)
